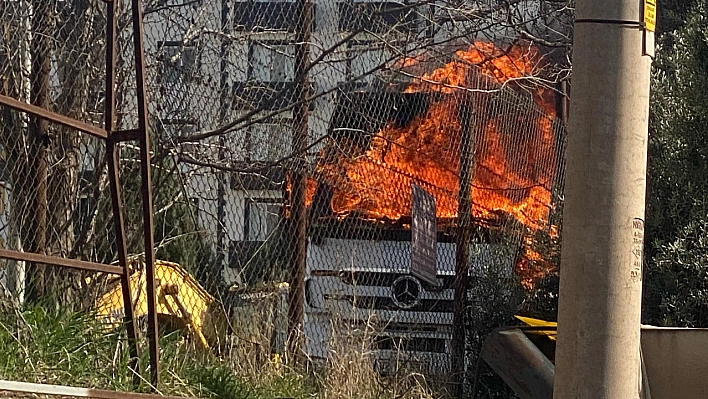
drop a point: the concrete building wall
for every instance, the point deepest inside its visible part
(675, 361)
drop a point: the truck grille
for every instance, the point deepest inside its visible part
(384, 303)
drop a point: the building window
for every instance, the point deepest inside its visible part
(263, 16)
(180, 127)
(271, 61)
(83, 213)
(377, 17)
(262, 216)
(177, 62)
(365, 59)
(268, 141)
(177, 127)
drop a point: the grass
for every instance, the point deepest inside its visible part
(75, 349)
(63, 349)
(350, 371)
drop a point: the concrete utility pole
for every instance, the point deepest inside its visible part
(598, 353)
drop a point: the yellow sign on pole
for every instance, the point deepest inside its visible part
(650, 15)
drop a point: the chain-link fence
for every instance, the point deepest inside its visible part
(49, 171)
(61, 239)
(389, 94)
(287, 139)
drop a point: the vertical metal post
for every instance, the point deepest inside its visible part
(146, 188)
(116, 198)
(223, 113)
(298, 217)
(563, 107)
(560, 123)
(463, 238)
(598, 351)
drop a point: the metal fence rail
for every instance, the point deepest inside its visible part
(63, 220)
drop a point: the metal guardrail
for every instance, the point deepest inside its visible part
(63, 390)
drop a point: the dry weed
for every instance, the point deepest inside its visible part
(350, 371)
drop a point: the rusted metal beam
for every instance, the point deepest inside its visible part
(222, 176)
(463, 238)
(112, 161)
(560, 124)
(53, 117)
(298, 214)
(64, 262)
(62, 390)
(146, 188)
(564, 107)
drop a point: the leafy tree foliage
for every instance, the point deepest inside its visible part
(676, 286)
(678, 283)
(673, 14)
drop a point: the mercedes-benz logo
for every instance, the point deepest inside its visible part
(405, 292)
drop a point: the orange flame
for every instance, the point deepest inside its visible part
(427, 150)
(553, 233)
(515, 154)
(532, 266)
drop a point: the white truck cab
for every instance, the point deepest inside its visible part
(353, 284)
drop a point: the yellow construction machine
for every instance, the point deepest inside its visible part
(181, 302)
(538, 323)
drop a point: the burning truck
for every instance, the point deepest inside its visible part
(361, 199)
(365, 286)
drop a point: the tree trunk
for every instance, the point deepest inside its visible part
(35, 231)
(67, 151)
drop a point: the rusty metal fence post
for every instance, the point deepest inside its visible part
(112, 161)
(343, 107)
(298, 216)
(462, 244)
(146, 189)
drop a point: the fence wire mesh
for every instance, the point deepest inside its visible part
(388, 87)
(55, 197)
(259, 110)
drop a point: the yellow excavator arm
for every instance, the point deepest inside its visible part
(178, 294)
